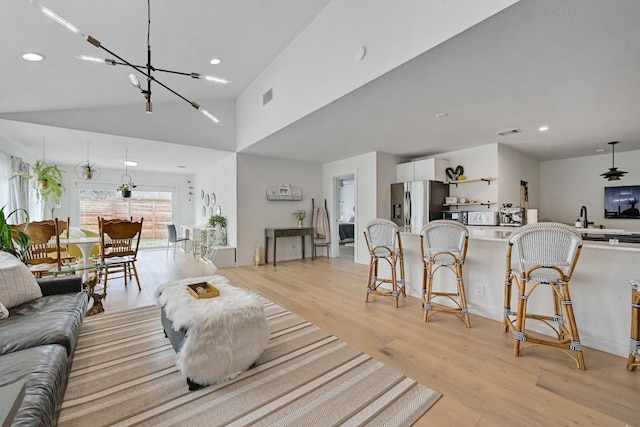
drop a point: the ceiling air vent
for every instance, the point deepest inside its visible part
(509, 132)
(267, 96)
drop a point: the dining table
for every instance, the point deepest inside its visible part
(85, 244)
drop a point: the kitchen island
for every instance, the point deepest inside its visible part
(599, 290)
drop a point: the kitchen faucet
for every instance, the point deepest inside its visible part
(583, 214)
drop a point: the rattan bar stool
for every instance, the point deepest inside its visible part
(634, 357)
(443, 243)
(546, 254)
(383, 241)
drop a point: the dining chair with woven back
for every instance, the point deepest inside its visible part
(542, 256)
(119, 242)
(443, 245)
(383, 242)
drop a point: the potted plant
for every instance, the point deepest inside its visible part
(300, 215)
(48, 181)
(218, 232)
(125, 189)
(88, 170)
(10, 237)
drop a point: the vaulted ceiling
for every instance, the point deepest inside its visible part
(570, 65)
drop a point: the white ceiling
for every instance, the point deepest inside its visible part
(571, 65)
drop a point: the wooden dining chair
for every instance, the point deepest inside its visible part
(119, 242)
(633, 360)
(43, 254)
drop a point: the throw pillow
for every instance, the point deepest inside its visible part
(17, 284)
(4, 312)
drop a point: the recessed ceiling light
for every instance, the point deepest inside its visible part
(181, 166)
(215, 61)
(32, 57)
(543, 128)
(600, 150)
(130, 163)
(441, 115)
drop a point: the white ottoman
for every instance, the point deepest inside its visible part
(216, 339)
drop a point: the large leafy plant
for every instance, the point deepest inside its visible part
(13, 241)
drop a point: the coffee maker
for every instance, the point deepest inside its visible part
(511, 216)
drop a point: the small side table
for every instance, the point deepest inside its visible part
(275, 232)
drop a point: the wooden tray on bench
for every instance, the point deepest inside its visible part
(203, 290)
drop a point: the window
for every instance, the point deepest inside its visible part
(156, 207)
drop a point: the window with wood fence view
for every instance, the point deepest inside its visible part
(154, 206)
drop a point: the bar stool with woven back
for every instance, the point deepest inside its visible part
(633, 360)
(443, 243)
(383, 241)
(545, 257)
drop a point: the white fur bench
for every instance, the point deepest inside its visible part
(216, 339)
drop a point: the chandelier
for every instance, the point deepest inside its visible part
(147, 70)
(613, 174)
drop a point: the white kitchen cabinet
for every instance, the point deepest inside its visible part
(422, 170)
(404, 172)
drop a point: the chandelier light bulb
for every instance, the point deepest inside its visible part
(134, 81)
(56, 18)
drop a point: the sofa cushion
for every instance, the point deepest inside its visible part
(17, 284)
(55, 319)
(43, 369)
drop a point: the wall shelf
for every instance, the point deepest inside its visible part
(487, 179)
(487, 204)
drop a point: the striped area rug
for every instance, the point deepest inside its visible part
(124, 374)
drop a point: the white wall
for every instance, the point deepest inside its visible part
(218, 178)
(477, 163)
(570, 183)
(255, 212)
(318, 67)
(374, 173)
(513, 167)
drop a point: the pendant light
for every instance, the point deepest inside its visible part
(613, 174)
(147, 71)
(87, 170)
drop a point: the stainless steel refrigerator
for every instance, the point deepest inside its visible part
(415, 203)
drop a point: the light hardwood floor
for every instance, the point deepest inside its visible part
(482, 383)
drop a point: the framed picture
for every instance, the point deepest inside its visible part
(206, 200)
(211, 211)
(213, 199)
(202, 194)
(204, 211)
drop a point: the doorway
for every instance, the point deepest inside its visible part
(345, 212)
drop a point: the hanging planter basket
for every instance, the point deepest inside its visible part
(126, 186)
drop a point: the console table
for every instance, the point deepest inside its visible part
(275, 232)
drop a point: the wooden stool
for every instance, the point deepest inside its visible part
(443, 243)
(634, 356)
(383, 241)
(546, 255)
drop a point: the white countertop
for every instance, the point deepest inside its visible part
(501, 234)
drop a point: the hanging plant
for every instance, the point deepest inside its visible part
(48, 183)
(126, 186)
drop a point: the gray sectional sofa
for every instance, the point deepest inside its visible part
(37, 342)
